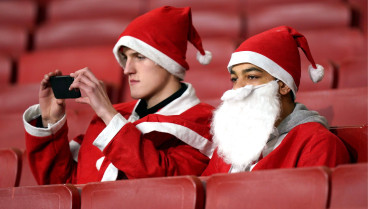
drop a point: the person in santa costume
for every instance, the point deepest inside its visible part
(258, 124)
(166, 132)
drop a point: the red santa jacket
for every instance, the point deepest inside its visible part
(173, 141)
(308, 144)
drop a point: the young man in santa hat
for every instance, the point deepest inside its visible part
(164, 133)
(258, 125)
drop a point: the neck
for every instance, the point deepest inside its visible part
(169, 89)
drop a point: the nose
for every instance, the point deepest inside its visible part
(129, 67)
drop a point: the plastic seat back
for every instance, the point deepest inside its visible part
(100, 60)
(280, 188)
(79, 33)
(355, 138)
(353, 72)
(349, 184)
(164, 192)
(50, 196)
(341, 107)
(301, 16)
(11, 167)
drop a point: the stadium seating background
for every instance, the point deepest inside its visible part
(38, 36)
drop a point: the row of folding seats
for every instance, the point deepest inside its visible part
(15, 169)
(69, 23)
(210, 81)
(327, 45)
(314, 187)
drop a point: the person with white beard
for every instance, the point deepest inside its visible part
(259, 125)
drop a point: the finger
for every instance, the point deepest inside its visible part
(88, 84)
(60, 102)
(88, 73)
(58, 72)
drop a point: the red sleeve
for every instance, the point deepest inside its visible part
(50, 158)
(324, 149)
(151, 155)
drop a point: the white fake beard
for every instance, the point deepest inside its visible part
(244, 121)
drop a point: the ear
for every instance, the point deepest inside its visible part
(284, 89)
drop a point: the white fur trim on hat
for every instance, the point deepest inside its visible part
(150, 52)
(204, 59)
(266, 64)
(316, 74)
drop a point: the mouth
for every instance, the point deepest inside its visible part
(133, 81)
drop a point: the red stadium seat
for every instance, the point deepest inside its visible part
(18, 13)
(17, 98)
(218, 23)
(76, 33)
(280, 188)
(328, 81)
(165, 192)
(349, 184)
(13, 41)
(341, 107)
(250, 4)
(6, 70)
(360, 17)
(12, 130)
(353, 72)
(10, 169)
(301, 16)
(221, 49)
(92, 9)
(355, 139)
(211, 18)
(203, 5)
(99, 59)
(51, 196)
(335, 44)
(27, 178)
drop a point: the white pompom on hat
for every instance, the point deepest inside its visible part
(161, 35)
(276, 51)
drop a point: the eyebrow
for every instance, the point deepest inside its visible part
(130, 54)
(247, 70)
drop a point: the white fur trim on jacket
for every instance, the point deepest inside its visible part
(183, 133)
(152, 53)
(111, 173)
(104, 138)
(74, 149)
(266, 64)
(34, 112)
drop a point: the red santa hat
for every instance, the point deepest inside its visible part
(161, 35)
(276, 51)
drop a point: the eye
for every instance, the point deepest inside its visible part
(123, 57)
(233, 80)
(141, 57)
(252, 77)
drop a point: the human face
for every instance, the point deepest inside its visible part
(147, 80)
(249, 74)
